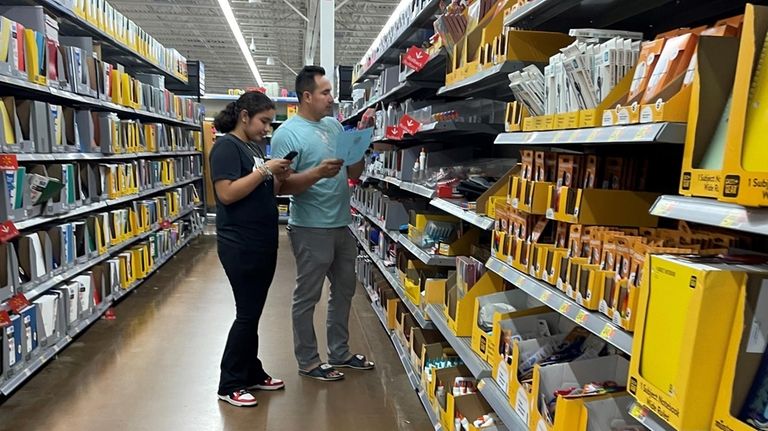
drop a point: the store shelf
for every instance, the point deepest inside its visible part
(405, 358)
(499, 402)
(417, 189)
(478, 220)
(400, 92)
(713, 213)
(220, 96)
(660, 133)
(48, 353)
(70, 24)
(391, 54)
(394, 235)
(77, 269)
(492, 83)
(57, 157)
(535, 12)
(648, 418)
(426, 258)
(85, 209)
(389, 274)
(379, 312)
(67, 98)
(595, 322)
(462, 345)
(433, 71)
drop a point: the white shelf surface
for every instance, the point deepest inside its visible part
(593, 321)
(713, 213)
(662, 133)
(481, 221)
(56, 157)
(48, 353)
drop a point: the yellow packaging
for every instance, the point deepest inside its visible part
(602, 207)
(461, 311)
(685, 317)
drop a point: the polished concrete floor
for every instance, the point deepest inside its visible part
(156, 366)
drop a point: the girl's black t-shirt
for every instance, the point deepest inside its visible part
(252, 222)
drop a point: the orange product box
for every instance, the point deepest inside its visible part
(674, 61)
(649, 56)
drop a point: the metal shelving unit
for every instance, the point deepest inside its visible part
(394, 235)
(492, 83)
(481, 221)
(463, 345)
(595, 322)
(85, 209)
(500, 404)
(417, 189)
(45, 355)
(426, 258)
(391, 54)
(38, 157)
(713, 213)
(388, 273)
(67, 97)
(71, 24)
(659, 133)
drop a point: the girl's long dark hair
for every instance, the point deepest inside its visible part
(252, 102)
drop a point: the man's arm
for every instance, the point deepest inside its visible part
(298, 183)
(355, 171)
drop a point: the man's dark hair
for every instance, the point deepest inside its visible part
(305, 80)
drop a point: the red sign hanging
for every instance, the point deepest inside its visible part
(8, 162)
(409, 125)
(166, 224)
(8, 231)
(394, 133)
(18, 303)
(5, 319)
(415, 58)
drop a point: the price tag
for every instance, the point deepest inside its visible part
(664, 208)
(577, 136)
(558, 137)
(565, 307)
(8, 231)
(409, 125)
(644, 133)
(639, 412)
(519, 281)
(544, 297)
(615, 135)
(415, 58)
(5, 319)
(593, 136)
(9, 162)
(733, 219)
(582, 317)
(608, 332)
(550, 213)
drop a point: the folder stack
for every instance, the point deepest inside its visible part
(12, 48)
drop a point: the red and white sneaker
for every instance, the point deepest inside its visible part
(269, 384)
(241, 398)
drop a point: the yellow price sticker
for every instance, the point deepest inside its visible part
(643, 133)
(545, 296)
(733, 218)
(608, 332)
(664, 208)
(592, 136)
(558, 137)
(565, 307)
(616, 134)
(582, 317)
(638, 412)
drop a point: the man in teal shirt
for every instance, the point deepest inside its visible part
(317, 227)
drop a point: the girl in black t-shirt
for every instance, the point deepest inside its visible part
(247, 230)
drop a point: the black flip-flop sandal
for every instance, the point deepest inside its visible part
(324, 372)
(357, 362)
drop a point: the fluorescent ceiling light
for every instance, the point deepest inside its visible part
(230, 17)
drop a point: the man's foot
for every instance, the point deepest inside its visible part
(241, 398)
(269, 384)
(357, 362)
(324, 372)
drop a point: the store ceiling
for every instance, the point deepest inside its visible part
(197, 29)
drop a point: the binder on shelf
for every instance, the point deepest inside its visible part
(33, 123)
(50, 318)
(91, 248)
(85, 294)
(87, 132)
(81, 241)
(35, 56)
(70, 133)
(15, 195)
(31, 254)
(29, 328)
(8, 271)
(12, 344)
(66, 235)
(72, 291)
(12, 48)
(11, 136)
(57, 202)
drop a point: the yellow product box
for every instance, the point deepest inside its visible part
(685, 318)
(628, 114)
(430, 353)
(126, 270)
(444, 378)
(36, 56)
(539, 257)
(390, 303)
(460, 309)
(556, 259)
(601, 207)
(744, 357)
(489, 309)
(591, 286)
(421, 339)
(568, 410)
(530, 46)
(461, 246)
(745, 166)
(590, 118)
(521, 254)
(529, 124)
(516, 114)
(568, 279)
(572, 120)
(711, 89)
(560, 121)
(472, 406)
(530, 196)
